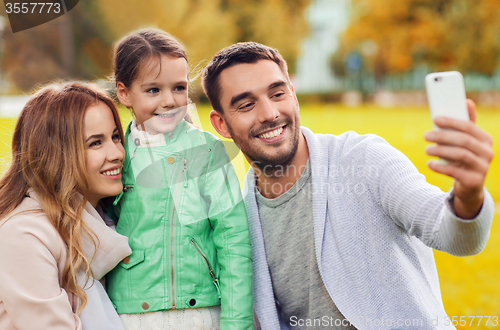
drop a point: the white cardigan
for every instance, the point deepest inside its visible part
(375, 222)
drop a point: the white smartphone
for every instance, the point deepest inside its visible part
(446, 95)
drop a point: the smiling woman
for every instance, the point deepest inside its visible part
(54, 243)
(104, 153)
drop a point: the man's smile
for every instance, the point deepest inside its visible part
(273, 135)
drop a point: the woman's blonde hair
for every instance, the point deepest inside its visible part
(48, 157)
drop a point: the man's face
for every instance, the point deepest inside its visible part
(261, 112)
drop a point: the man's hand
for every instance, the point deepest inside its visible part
(468, 151)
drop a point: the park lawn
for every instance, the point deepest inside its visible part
(469, 284)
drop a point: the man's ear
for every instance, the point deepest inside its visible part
(123, 94)
(219, 124)
(294, 95)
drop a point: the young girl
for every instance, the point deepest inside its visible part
(181, 205)
(54, 244)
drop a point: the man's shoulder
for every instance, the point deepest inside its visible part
(344, 142)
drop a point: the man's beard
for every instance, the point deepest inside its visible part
(270, 166)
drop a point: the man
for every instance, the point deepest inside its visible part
(342, 226)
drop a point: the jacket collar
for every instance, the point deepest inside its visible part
(144, 139)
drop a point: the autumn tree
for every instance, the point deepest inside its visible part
(207, 26)
(395, 35)
(71, 46)
(79, 44)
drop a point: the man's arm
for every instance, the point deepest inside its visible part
(468, 150)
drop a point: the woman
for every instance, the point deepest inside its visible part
(66, 158)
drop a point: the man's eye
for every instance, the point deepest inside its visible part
(246, 106)
(153, 90)
(278, 94)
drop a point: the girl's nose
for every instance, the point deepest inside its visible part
(168, 100)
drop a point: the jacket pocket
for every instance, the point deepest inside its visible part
(215, 280)
(132, 260)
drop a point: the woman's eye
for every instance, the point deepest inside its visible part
(95, 144)
(153, 90)
(116, 138)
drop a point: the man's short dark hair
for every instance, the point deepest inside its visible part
(243, 52)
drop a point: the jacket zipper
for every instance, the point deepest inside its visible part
(172, 233)
(207, 263)
(172, 255)
(185, 172)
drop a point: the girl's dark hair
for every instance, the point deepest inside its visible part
(133, 50)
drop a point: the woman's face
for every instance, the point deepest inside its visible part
(103, 153)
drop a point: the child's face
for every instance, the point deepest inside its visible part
(159, 95)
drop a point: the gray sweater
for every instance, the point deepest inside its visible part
(376, 221)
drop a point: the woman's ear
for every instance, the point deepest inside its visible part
(123, 94)
(219, 124)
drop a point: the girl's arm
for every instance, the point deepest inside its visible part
(31, 254)
(232, 241)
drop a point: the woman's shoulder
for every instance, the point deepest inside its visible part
(28, 224)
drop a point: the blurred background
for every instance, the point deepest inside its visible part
(355, 64)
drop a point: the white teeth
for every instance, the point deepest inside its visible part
(113, 172)
(272, 134)
(167, 114)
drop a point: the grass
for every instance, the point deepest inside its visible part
(469, 285)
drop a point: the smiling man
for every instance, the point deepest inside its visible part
(343, 227)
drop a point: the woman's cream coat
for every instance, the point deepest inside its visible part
(32, 259)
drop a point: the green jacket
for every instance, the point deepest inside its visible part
(183, 212)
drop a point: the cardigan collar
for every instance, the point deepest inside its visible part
(264, 300)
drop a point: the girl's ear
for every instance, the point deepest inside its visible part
(219, 124)
(123, 94)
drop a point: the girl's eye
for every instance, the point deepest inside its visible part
(116, 138)
(153, 90)
(180, 88)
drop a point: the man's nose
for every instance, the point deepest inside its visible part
(268, 111)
